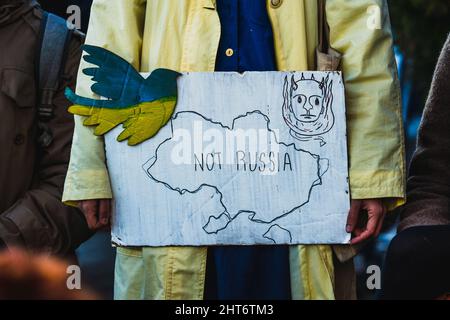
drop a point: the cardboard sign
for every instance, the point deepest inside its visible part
(258, 158)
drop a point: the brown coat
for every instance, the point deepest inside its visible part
(429, 180)
(31, 177)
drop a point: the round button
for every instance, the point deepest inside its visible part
(19, 139)
(276, 3)
(229, 52)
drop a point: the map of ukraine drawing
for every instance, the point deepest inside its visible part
(231, 196)
(144, 106)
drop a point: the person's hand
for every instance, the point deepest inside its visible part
(97, 213)
(371, 228)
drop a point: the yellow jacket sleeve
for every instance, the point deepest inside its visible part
(117, 26)
(361, 30)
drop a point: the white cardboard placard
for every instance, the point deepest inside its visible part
(254, 158)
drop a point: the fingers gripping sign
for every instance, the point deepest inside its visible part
(371, 228)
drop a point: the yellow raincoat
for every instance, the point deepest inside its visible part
(184, 35)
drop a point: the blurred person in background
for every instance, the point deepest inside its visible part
(36, 130)
(36, 277)
(418, 260)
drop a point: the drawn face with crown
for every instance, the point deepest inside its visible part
(307, 108)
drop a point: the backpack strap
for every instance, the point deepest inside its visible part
(55, 37)
(50, 61)
(327, 58)
(324, 31)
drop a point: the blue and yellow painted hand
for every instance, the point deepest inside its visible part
(142, 105)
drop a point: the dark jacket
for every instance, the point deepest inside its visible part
(429, 178)
(31, 177)
(59, 7)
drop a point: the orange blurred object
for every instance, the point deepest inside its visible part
(29, 277)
